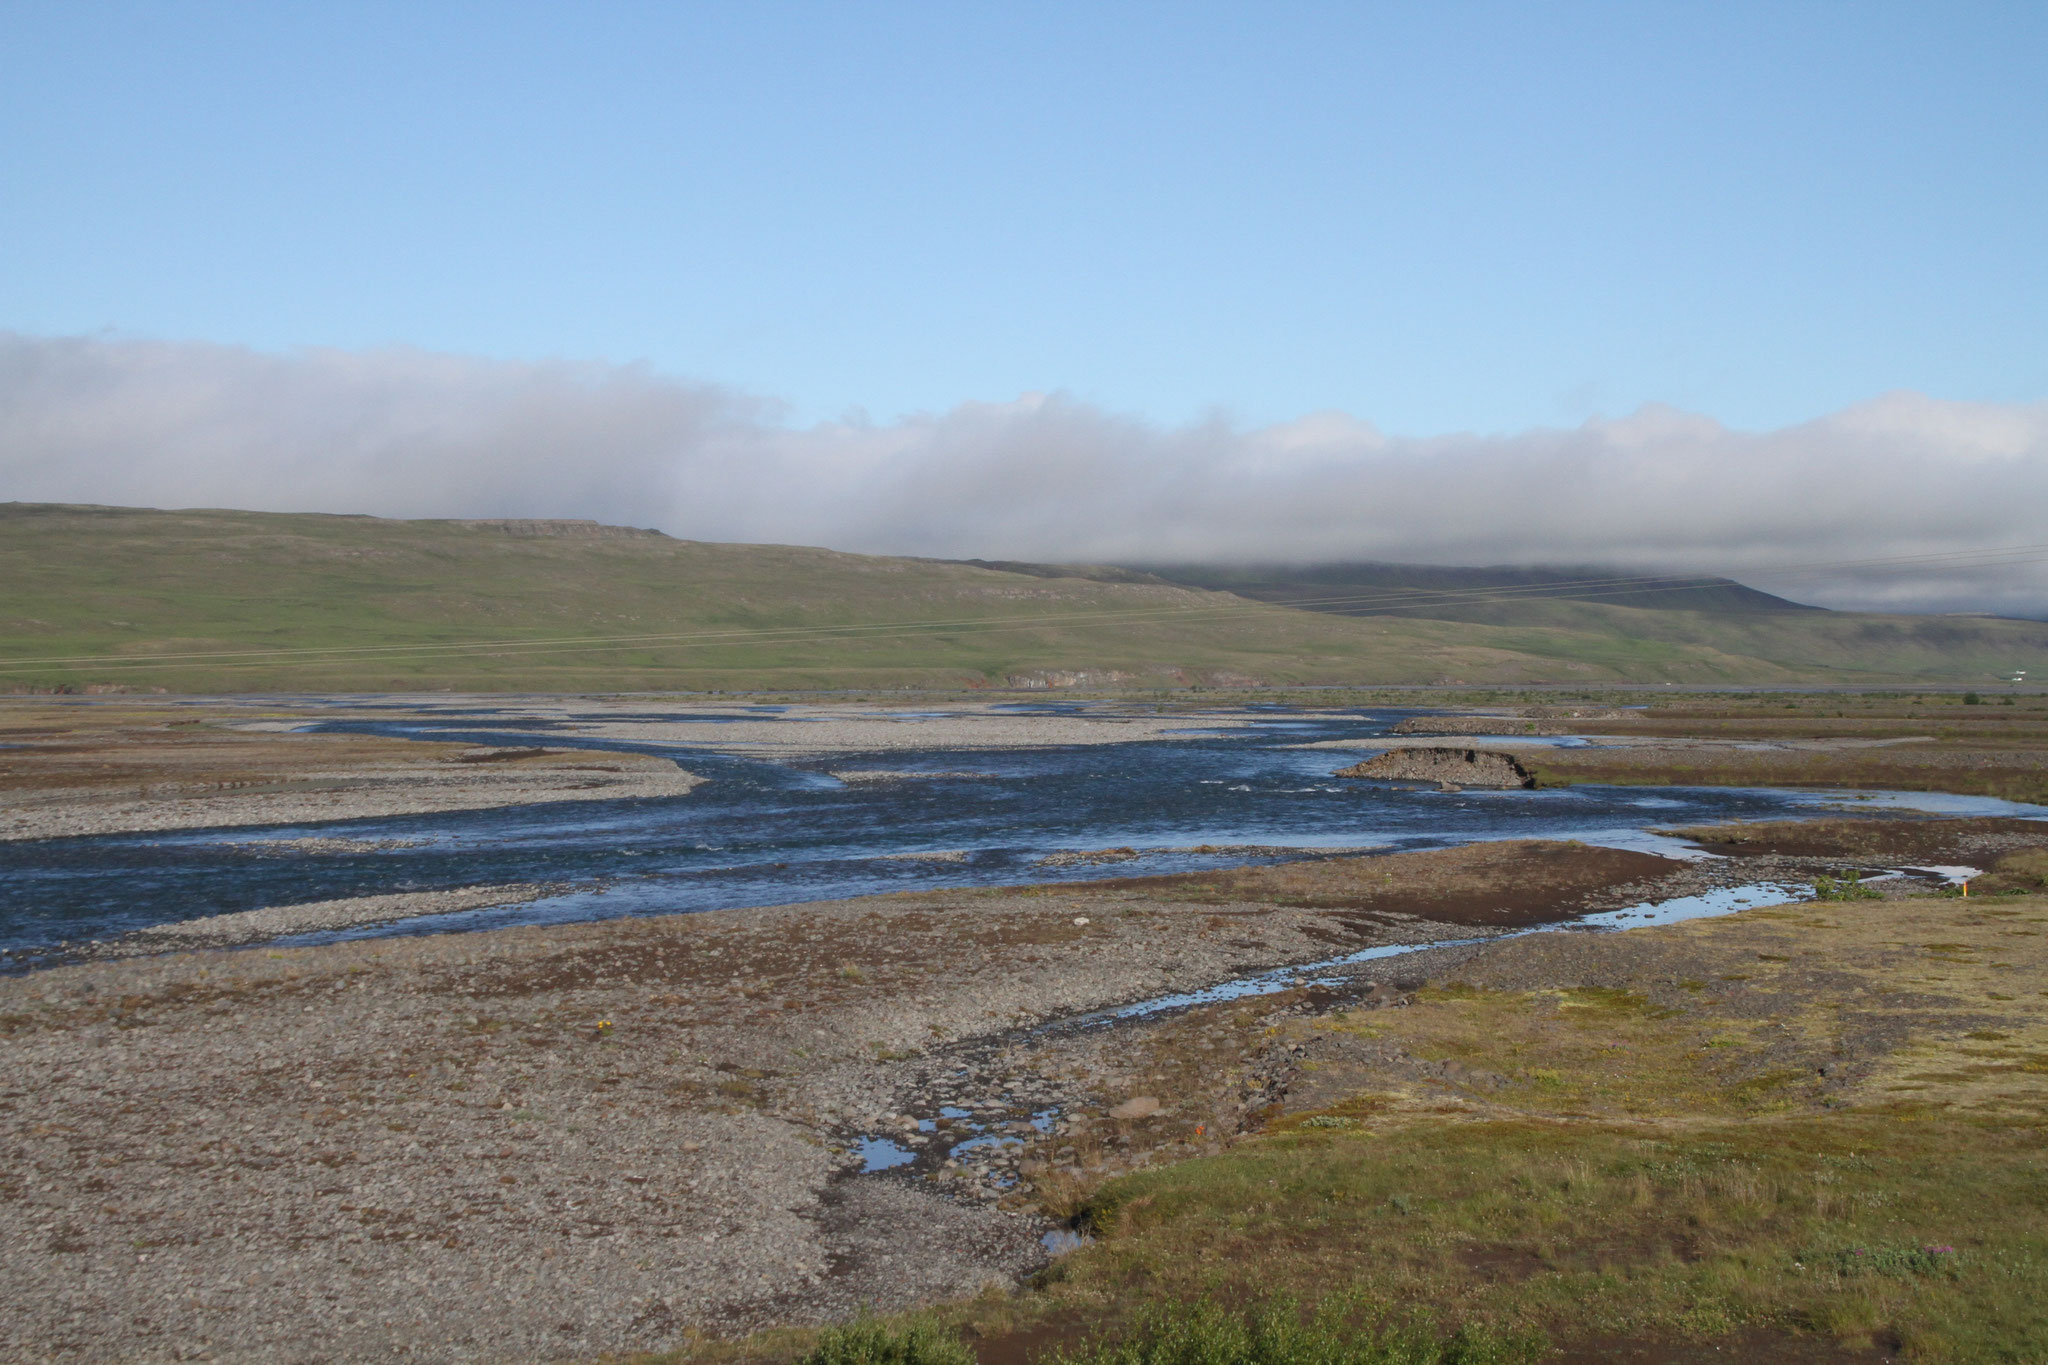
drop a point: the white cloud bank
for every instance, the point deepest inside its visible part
(409, 434)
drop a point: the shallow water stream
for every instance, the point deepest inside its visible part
(774, 831)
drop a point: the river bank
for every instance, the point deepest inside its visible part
(95, 768)
(548, 1143)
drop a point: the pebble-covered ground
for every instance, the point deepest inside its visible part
(545, 1143)
(63, 776)
(550, 1142)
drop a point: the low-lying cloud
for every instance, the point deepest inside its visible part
(412, 434)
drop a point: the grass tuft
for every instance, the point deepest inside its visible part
(1889, 1260)
(1345, 1332)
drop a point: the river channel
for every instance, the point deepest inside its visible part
(768, 831)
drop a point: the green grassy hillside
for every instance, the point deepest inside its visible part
(208, 601)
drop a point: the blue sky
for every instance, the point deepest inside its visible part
(1437, 218)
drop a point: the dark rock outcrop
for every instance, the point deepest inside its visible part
(1446, 766)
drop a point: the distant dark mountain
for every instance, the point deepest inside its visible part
(1094, 573)
(1427, 590)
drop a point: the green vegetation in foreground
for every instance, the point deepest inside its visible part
(1342, 1331)
(1839, 1228)
(912, 1341)
(1691, 1170)
(403, 605)
(1651, 1172)
(1926, 1233)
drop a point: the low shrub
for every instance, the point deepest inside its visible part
(868, 1342)
(1889, 1260)
(1847, 887)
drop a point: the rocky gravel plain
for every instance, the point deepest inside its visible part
(528, 1144)
(347, 791)
(551, 1143)
(306, 917)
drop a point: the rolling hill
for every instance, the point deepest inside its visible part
(212, 601)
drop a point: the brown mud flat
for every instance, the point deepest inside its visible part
(1906, 743)
(549, 1143)
(1509, 884)
(1972, 842)
(1909, 767)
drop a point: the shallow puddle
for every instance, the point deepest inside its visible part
(881, 1154)
(1706, 905)
(1953, 873)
